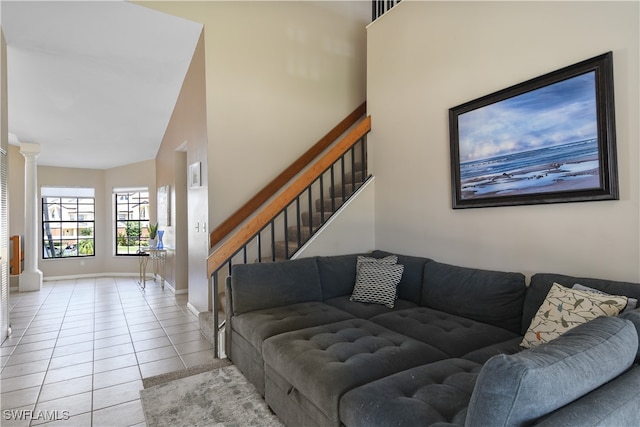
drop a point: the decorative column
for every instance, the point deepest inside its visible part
(31, 277)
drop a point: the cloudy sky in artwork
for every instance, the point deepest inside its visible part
(556, 114)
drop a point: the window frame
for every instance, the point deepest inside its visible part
(123, 233)
(72, 231)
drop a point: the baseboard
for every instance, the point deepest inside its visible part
(85, 276)
(193, 310)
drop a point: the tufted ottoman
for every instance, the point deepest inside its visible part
(314, 367)
(435, 393)
(455, 335)
(249, 330)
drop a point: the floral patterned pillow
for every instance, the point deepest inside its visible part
(565, 308)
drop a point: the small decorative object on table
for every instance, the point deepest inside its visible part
(160, 245)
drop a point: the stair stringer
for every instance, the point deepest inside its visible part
(351, 229)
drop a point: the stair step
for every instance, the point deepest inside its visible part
(280, 249)
(316, 218)
(349, 189)
(292, 233)
(328, 203)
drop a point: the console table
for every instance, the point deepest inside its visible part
(159, 259)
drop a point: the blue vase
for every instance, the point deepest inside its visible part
(160, 234)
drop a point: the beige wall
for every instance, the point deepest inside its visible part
(185, 142)
(426, 57)
(279, 75)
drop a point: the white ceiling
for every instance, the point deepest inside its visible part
(93, 82)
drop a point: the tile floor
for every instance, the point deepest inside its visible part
(80, 349)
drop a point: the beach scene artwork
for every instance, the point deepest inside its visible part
(541, 141)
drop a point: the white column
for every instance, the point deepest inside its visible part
(31, 277)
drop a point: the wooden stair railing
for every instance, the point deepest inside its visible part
(220, 255)
(347, 158)
(239, 216)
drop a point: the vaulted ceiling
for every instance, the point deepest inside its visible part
(93, 82)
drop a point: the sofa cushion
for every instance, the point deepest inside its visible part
(364, 310)
(437, 392)
(564, 309)
(376, 282)
(542, 282)
(515, 390)
(481, 356)
(259, 286)
(492, 297)
(256, 326)
(337, 275)
(324, 362)
(410, 286)
(452, 334)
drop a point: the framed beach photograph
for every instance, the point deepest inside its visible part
(547, 140)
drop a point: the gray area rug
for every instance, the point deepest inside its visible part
(221, 397)
(165, 378)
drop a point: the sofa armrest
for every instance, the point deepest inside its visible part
(268, 285)
(616, 403)
(519, 389)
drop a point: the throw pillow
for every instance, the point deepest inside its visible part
(376, 283)
(389, 260)
(564, 309)
(631, 302)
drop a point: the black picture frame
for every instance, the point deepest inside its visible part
(550, 139)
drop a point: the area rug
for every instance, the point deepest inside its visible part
(175, 375)
(222, 398)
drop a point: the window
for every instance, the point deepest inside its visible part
(68, 222)
(131, 219)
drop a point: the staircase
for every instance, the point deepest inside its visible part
(298, 209)
(310, 221)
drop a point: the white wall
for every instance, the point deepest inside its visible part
(426, 57)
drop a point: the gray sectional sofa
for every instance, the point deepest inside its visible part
(445, 351)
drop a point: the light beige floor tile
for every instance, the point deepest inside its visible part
(117, 362)
(34, 346)
(116, 350)
(75, 371)
(82, 420)
(116, 394)
(156, 354)
(161, 367)
(111, 332)
(21, 382)
(198, 358)
(151, 343)
(116, 376)
(65, 350)
(75, 339)
(30, 356)
(76, 331)
(146, 335)
(73, 405)
(19, 398)
(193, 346)
(60, 389)
(181, 328)
(17, 417)
(145, 327)
(126, 414)
(71, 359)
(24, 368)
(111, 341)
